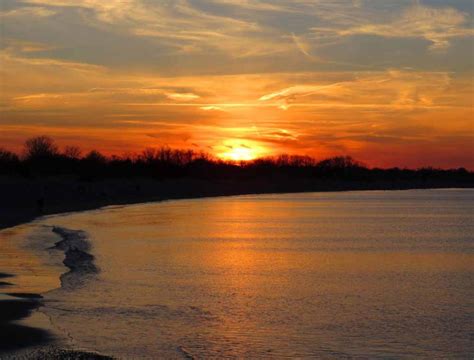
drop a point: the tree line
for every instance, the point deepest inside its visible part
(42, 157)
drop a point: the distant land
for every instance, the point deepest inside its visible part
(46, 180)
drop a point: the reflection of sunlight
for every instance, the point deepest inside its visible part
(240, 237)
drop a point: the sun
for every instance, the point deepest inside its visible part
(239, 154)
(240, 150)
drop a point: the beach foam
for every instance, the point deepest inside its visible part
(76, 247)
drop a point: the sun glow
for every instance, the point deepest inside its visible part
(240, 149)
(239, 154)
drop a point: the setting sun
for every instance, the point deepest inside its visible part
(239, 154)
(239, 149)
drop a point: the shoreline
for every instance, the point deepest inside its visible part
(38, 343)
(27, 341)
(144, 191)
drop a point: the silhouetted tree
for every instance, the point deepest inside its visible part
(148, 156)
(41, 147)
(9, 161)
(338, 163)
(72, 152)
(95, 157)
(41, 157)
(7, 156)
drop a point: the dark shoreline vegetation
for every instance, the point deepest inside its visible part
(44, 179)
(42, 157)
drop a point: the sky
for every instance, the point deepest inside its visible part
(389, 82)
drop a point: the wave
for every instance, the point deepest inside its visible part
(76, 247)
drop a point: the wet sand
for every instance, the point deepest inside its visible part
(15, 307)
(56, 353)
(18, 341)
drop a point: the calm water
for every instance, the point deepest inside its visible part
(370, 274)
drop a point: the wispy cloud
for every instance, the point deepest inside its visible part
(302, 46)
(393, 88)
(182, 97)
(437, 25)
(210, 108)
(27, 11)
(299, 91)
(177, 24)
(7, 56)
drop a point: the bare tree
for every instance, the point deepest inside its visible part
(339, 162)
(95, 157)
(7, 156)
(148, 155)
(41, 147)
(72, 152)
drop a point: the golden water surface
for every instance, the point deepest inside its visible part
(369, 274)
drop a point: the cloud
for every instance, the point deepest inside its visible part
(394, 89)
(27, 12)
(182, 96)
(302, 46)
(8, 56)
(298, 91)
(36, 97)
(211, 108)
(282, 133)
(437, 25)
(227, 36)
(181, 25)
(22, 46)
(254, 5)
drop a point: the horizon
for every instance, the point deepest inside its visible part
(390, 84)
(50, 149)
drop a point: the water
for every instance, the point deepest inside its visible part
(359, 274)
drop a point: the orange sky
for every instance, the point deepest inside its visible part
(389, 83)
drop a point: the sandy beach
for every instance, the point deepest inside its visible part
(20, 341)
(25, 342)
